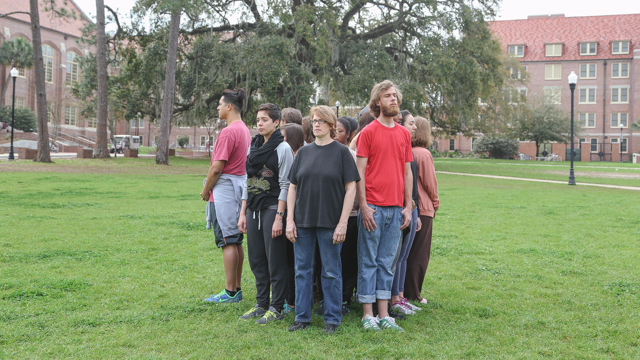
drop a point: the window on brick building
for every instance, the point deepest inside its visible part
(587, 96)
(92, 123)
(47, 57)
(623, 146)
(553, 72)
(587, 71)
(21, 72)
(553, 95)
(474, 143)
(516, 50)
(137, 123)
(620, 95)
(583, 140)
(19, 103)
(619, 47)
(517, 73)
(594, 145)
(70, 115)
(452, 144)
(49, 112)
(72, 67)
(588, 48)
(588, 120)
(619, 118)
(620, 70)
(553, 50)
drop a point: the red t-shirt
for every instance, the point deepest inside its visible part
(388, 149)
(232, 146)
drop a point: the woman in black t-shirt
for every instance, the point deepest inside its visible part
(319, 202)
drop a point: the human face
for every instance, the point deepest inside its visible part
(389, 102)
(321, 128)
(410, 124)
(342, 133)
(266, 126)
(223, 109)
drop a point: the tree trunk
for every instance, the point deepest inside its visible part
(162, 156)
(101, 150)
(44, 151)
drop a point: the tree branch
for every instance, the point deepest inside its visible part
(115, 16)
(254, 9)
(348, 16)
(236, 27)
(14, 12)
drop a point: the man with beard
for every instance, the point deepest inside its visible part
(384, 162)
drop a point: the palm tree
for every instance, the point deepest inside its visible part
(17, 53)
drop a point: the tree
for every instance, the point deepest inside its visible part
(25, 119)
(541, 121)
(18, 53)
(44, 151)
(497, 146)
(100, 150)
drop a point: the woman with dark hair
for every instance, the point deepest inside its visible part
(343, 130)
(307, 128)
(293, 135)
(319, 202)
(365, 119)
(354, 127)
(264, 200)
(418, 259)
(399, 303)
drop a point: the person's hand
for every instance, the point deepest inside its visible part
(276, 230)
(340, 233)
(242, 223)
(419, 225)
(406, 218)
(204, 195)
(366, 213)
(292, 231)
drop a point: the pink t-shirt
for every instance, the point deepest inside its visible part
(232, 146)
(387, 150)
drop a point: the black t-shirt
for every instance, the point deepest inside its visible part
(320, 173)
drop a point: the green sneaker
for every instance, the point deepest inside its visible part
(370, 323)
(288, 309)
(270, 316)
(254, 312)
(224, 297)
(389, 323)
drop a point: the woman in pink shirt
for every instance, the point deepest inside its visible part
(429, 203)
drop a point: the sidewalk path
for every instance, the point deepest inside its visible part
(542, 181)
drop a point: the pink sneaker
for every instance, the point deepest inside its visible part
(409, 305)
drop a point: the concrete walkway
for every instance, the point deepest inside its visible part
(54, 155)
(542, 181)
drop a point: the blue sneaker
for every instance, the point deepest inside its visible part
(288, 309)
(224, 297)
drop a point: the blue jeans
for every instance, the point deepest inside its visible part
(401, 267)
(376, 251)
(304, 249)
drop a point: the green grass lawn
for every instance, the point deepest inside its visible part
(111, 259)
(625, 174)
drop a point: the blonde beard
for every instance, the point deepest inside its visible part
(390, 112)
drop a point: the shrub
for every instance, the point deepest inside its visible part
(25, 119)
(183, 141)
(497, 146)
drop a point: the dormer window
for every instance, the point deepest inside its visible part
(619, 47)
(553, 50)
(516, 50)
(590, 48)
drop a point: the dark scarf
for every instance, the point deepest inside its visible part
(260, 152)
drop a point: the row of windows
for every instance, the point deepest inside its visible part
(586, 49)
(588, 120)
(594, 148)
(70, 116)
(619, 95)
(587, 71)
(72, 65)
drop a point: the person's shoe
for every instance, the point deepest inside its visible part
(405, 302)
(330, 329)
(346, 308)
(396, 315)
(370, 323)
(400, 309)
(288, 309)
(298, 326)
(389, 323)
(255, 312)
(320, 309)
(224, 297)
(270, 316)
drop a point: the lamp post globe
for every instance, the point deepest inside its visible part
(621, 127)
(573, 79)
(14, 74)
(338, 108)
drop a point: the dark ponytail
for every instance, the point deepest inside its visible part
(235, 98)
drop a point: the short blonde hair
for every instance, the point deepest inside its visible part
(377, 90)
(325, 113)
(423, 137)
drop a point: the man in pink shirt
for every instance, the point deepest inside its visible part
(223, 187)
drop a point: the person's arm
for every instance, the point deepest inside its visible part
(214, 173)
(354, 142)
(285, 160)
(292, 232)
(432, 183)
(408, 191)
(340, 233)
(242, 219)
(365, 211)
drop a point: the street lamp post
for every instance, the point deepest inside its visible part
(14, 74)
(337, 108)
(573, 79)
(621, 126)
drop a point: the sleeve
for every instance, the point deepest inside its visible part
(245, 194)
(293, 172)
(363, 144)
(349, 169)
(285, 160)
(428, 174)
(222, 149)
(408, 152)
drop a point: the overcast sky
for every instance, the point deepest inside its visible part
(509, 10)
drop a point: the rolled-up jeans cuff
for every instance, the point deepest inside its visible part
(366, 299)
(383, 294)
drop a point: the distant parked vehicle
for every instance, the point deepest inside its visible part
(125, 142)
